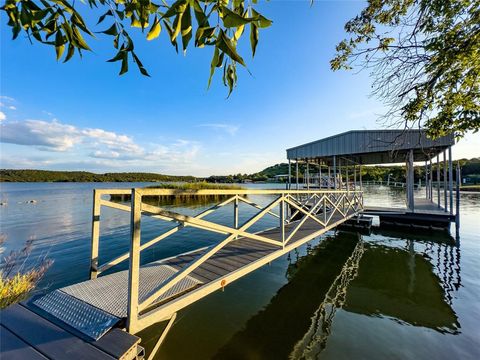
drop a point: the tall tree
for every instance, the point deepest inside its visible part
(218, 24)
(424, 57)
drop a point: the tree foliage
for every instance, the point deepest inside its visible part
(218, 24)
(424, 56)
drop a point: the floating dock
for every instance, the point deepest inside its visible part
(100, 317)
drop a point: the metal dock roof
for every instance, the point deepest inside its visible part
(373, 146)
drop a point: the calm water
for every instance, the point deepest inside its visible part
(342, 296)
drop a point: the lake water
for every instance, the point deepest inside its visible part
(399, 295)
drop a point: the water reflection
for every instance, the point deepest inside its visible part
(411, 283)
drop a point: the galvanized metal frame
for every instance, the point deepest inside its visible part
(317, 205)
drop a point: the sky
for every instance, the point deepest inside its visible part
(82, 116)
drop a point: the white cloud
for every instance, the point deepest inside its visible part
(94, 147)
(8, 98)
(53, 136)
(2, 116)
(11, 107)
(228, 128)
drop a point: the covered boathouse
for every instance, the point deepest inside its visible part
(335, 162)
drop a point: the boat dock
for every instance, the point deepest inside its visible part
(101, 316)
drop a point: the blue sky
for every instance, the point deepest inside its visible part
(83, 116)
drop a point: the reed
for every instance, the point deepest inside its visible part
(188, 197)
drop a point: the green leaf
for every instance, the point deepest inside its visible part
(59, 50)
(154, 30)
(170, 33)
(70, 53)
(202, 19)
(140, 66)
(186, 28)
(232, 19)
(101, 18)
(112, 30)
(124, 68)
(177, 7)
(213, 65)
(226, 45)
(79, 39)
(262, 21)
(253, 38)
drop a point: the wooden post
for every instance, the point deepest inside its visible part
(134, 266)
(95, 234)
(431, 180)
(438, 180)
(445, 180)
(450, 178)
(340, 177)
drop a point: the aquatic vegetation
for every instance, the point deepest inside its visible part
(16, 280)
(187, 194)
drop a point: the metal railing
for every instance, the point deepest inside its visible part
(292, 208)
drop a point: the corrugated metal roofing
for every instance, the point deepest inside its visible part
(373, 146)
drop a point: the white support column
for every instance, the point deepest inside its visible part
(438, 180)
(307, 173)
(355, 177)
(445, 186)
(282, 220)
(296, 174)
(289, 174)
(411, 200)
(334, 172)
(457, 200)
(431, 180)
(319, 174)
(361, 184)
(134, 266)
(329, 178)
(426, 180)
(450, 178)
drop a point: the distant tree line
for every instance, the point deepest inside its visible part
(7, 175)
(470, 171)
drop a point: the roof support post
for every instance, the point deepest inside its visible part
(289, 175)
(431, 180)
(346, 178)
(319, 174)
(296, 174)
(457, 200)
(355, 177)
(308, 175)
(361, 184)
(445, 202)
(450, 178)
(426, 180)
(334, 172)
(329, 178)
(340, 174)
(438, 180)
(134, 266)
(410, 181)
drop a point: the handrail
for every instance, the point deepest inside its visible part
(317, 205)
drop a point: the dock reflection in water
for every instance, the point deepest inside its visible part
(398, 279)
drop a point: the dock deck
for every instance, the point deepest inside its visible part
(98, 309)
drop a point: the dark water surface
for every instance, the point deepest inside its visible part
(395, 295)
